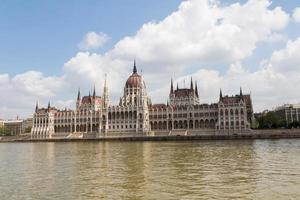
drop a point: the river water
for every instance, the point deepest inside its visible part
(254, 169)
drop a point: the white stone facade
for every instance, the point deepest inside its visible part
(137, 116)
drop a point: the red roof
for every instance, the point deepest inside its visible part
(183, 92)
(90, 99)
(158, 106)
(231, 100)
(46, 110)
(237, 99)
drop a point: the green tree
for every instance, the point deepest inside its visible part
(4, 131)
(28, 130)
(295, 124)
(269, 120)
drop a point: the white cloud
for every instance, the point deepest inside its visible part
(4, 79)
(276, 37)
(64, 104)
(93, 40)
(200, 33)
(35, 83)
(287, 60)
(275, 83)
(296, 14)
(20, 93)
(204, 32)
(88, 69)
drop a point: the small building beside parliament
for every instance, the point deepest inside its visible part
(135, 115)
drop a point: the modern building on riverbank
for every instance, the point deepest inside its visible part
(16, 126)
(289, 112)
(135, 115)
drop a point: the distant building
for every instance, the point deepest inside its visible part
(289, 112)
(135, 115)
(27, 125)
(14, 126)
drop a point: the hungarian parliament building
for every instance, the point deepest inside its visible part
(135, 115)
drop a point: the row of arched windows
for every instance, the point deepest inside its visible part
(184, 124)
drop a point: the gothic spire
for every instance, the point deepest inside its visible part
(171, 90)
(221, 95)
(192, 86)
(196, 89)
(177, 86)
(134, 67)
(49, 106)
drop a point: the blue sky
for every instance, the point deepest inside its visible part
(43, 35)
(41, 60)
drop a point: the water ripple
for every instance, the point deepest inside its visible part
(259, 169)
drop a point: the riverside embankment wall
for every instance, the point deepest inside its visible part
(253, 134)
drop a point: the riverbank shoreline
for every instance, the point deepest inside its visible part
(254, 134)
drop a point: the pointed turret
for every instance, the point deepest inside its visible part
(36, 107)
(241, 92)
(221, 95)
(177, 86)
(134, 67)
(192, 86)
(49, 106)
(171, 89)
(78, 95)
(196, 89)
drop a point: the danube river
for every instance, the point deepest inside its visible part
(258, 169)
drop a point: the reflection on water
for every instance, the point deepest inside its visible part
(261, 169)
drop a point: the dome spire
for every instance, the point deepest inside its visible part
(134, 67)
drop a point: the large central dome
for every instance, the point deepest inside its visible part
(134, 80)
